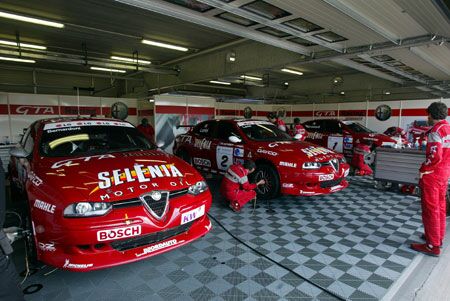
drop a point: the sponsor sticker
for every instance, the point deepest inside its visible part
(202, 162)
(202, 143)
(34, 179)
(192, 214)
(44, 206)
(314, 135)
(313, 151)
(288, 164)
(326, 177)
(267, 152)
(47, 247)
(118, 233)
(239, 152)
(68, 264)
(58, 125)
(253, 122)
(157, 247)
(288, 185)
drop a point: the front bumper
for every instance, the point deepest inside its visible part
(310, 183)
(76, 245)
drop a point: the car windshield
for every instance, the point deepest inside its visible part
(84, 138)
(357, 128)
(263, 131)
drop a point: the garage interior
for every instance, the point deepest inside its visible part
(305, 58)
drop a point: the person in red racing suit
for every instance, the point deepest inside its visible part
(394, 131)
(360, 150)
(147, 130)
(277, 121)
(434, 175)
(235, 186)
(298, 131)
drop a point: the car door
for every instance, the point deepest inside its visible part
(316, 132)
(202, 152)
(226, 152)
(335, 139)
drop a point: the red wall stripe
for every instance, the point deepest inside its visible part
(52, 110)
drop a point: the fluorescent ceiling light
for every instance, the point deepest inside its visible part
(164, 45)
(130, 60)
(23, 45)
(14, 59)
(219, 82)
(292, 71)
(286, 84)
(107, 69)
(251, 77)
(387, 93)
(342, 93)
(30, 20)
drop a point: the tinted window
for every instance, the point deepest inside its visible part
(90, 140)
(205, 129)
(225, 130)
(357, 128)
(264, 132)
(333, 127)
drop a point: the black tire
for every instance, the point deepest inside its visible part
(272, 187)
(184, 155)
(30, 242)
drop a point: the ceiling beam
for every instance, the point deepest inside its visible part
(178, 12)
(368, 70)
(427, 58)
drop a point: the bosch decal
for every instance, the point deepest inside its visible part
(326, 177)
(157, 247)
(202, 162)
(44, 206)
(119, 233)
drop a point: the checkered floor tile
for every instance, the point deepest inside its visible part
(353, 243)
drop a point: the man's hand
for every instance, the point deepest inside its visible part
(425, 173)
(261, 182)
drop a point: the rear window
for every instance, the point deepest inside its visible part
(90, 137)
(205, 129)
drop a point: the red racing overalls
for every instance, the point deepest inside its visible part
(235, 186)
(280, 124)
(299, 132)
(359, 152)
(435, 172)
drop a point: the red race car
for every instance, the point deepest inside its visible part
(417, 131)
(341, 136)
(289, 166)
(99, 194)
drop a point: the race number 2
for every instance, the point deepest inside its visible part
(224, 157)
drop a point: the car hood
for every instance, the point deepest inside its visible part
(295, 151)
(115, 176)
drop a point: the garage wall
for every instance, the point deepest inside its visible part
(18, 110)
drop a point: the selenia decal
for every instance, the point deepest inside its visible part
(224, 157)
(313, 151)
(139, 172)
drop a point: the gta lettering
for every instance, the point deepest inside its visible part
(157, 247)
(267, 152)
(326, 177)
(37, 110)
(118, 233)
(34, 179)
(313, 151)
(202, 143)
(326, 113)
(69, 265)
(72, 162)
(139, 172)
(44, 206)
(47, 247)
(186, 139)
(202, 162)
(288, 164)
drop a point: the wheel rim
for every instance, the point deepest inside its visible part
(370, 158)
(263, 175)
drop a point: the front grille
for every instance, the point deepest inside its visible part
(331, 183)
(158, 208)
(333, 163)
(127, 244)
(137, 202)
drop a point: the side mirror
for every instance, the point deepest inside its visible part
(19, 152)
(234, 139)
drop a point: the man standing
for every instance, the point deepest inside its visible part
(277, 121)
(434, 175)
(298, 131)
(147, 130)
(9, 283)
(360, 151)
(235, 186)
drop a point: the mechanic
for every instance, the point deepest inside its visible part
(434, 175)
(394, 131)
(298, 131)
(147, 130)
(277, 121)
(9, 284)
(235, 186)
(360, 151)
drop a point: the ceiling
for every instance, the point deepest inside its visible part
(372, 47)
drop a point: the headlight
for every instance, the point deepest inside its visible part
(198, 188)
(86, 209)
(343, 160)
(311, 165)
